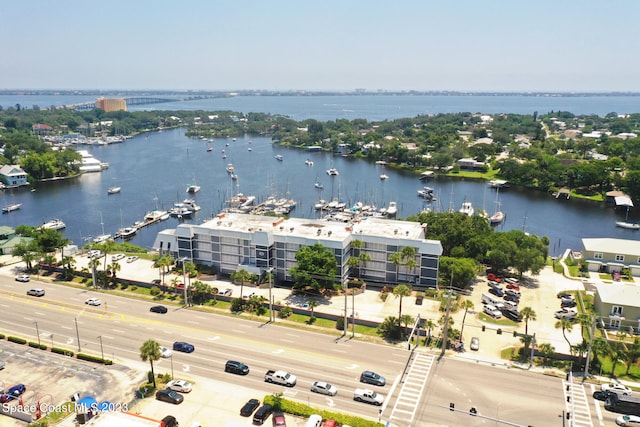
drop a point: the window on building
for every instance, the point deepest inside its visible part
(616, 310)
(598, 255)
(620, 258)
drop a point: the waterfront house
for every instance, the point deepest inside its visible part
(467, 163)
(609, 255)
(618, 305)
(9, 240)
(232, 242)
(13, 176)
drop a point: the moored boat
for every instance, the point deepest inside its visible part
(426, 193)
(193, 188)
(308, 162)
(318, 185)
(384, 176)
(278, 157)
(392, 210)
(54, 224)
(467, 208)
(333, 172)
(12, 207)
(497, 218)
(629, 225)
(113, 190)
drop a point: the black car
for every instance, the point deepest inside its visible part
(235, 367)
(514, 298)
(262, 414)
(568, 303)
(603, 395)
(170, 396)
(249, 407)
(496, 291)
(512, 315)
(369, 377)
(158, 309)
(185, 347)
(170, 421)
(565, 295)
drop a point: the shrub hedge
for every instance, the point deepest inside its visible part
(17, 340)
(303, 410)
(90, 358)
(36, 345)
(64, 351)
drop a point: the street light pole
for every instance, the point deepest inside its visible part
(38, 333)
(271, 316)
(77, 334)
(171, 366)
(184, 280)
(353, 314)
(101, 349)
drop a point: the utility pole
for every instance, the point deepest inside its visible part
(353, 314)
(272, 318)
(184, 282)
(445, 329)
(533, 347)
(78, 334)
(586, 363)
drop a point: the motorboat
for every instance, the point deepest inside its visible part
(193, 188)
(384, 176)
(426, 193)
(278, 157)
(12, 207)
(230, 168)
(498, 183)
(154, 215)
(191, 204)
(54, 224)
(333, 172)
(320, 204)
(113, 190)
(234, 176)
(467, 208)
(392, 210)
(629, 225)
(318, 185)
(497, 218)
(101, 238)
(127, 232)
(308, 162)
(209, 149)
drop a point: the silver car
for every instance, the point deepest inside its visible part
(475, 344)
(324, 388)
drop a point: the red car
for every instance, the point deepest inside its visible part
(279, 420)
(491, 276)
(513, 286)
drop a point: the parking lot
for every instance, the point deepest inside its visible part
(52, 379)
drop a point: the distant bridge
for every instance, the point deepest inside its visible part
(132, 100)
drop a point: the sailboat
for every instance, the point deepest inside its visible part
(113, 189)
(498, 216)
(193, 188)
(627, 224)
(102, 237)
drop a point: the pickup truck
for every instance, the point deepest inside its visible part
(280, 377)
(368, 396)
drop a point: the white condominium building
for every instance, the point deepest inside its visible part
(233, 241)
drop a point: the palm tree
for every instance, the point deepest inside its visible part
(150, 351)
(527, 314)
(632, 355)
(114, 267)
(600, 346)
(407, 320)
(401, 291)
(467, 305)
(357, 245)
(547, 350)
(566, 325)
(94, 263)
(429, 325)
(240, 276)
(312, 304)
(364, 258)
(162, 264)
(615, 354)
(389, 327)
(353, 263)
(396, 259)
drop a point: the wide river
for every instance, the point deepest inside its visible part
(154, 170)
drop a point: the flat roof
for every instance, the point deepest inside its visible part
(614, 246)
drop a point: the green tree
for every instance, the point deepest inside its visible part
(114, 267)
(466, 305)
(200, 292)
(241, 276)
(162, 264)
(364, 258)
(312, 305)
(546, 350)
(528, 314)
(316, 268)
(400, 291)
(429, 325)
(150, 351)
(390, 328)
(567, 326)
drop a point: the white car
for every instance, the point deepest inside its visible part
(616, 387)
(23, 278)
(94, 253)
(324, 388)
(93, 301)
(628, 420)
(568, 313)
(165, 352)
(132, 258)
(117, 257)
(475, 344)
(180, 385)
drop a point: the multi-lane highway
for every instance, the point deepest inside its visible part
(121, 325)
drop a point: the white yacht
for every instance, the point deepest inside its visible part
(54, 224)
(333, 172)
(392, 210)
(467, 208)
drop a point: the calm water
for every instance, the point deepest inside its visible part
(369, 107)
(155, 170)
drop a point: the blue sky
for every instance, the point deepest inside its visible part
(509, 45)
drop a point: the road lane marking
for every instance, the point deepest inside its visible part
(118, 331)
